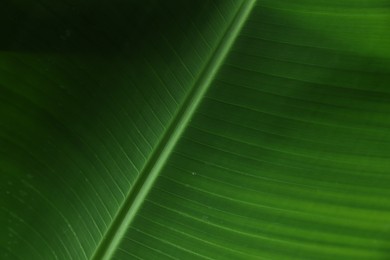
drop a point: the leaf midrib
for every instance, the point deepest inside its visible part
(143, 184)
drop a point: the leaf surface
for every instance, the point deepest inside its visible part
(207, 130)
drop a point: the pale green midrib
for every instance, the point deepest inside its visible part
(112, 238)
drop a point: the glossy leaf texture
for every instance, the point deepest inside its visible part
(286, 157)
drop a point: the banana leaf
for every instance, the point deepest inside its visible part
(208, 129)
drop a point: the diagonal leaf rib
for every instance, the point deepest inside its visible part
(149, 174)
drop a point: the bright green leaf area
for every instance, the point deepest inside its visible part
(210, 129)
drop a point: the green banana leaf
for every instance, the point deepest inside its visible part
(207, 129)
